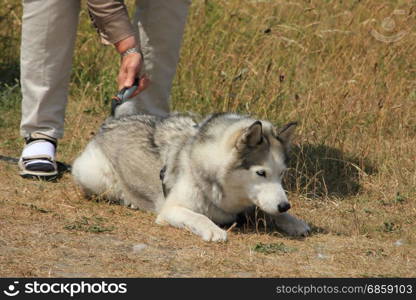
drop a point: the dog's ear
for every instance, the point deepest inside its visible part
(251, 136)
(284, 134)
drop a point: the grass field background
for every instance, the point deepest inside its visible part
(346, 70)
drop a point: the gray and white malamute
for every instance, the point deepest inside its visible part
(192, 175)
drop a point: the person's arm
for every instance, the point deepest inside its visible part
(112, 20)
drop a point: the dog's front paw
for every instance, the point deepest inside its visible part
(214, 234)
(292, 226)
(298, 229)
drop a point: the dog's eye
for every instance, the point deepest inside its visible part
(261, 173)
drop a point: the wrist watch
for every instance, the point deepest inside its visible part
(132, 50)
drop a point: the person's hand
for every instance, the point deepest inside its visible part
(129, 70)
(130, 66)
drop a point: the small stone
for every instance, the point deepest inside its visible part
(398, 243)
(139, 247)
(321, 256)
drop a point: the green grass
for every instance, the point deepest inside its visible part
(273, 248)
(89, 225)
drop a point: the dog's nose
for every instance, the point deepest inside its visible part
(282, 207)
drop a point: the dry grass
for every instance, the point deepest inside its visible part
(353, 177)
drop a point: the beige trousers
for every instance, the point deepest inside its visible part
(48, 39)
(161, 25)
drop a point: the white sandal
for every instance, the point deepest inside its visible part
(38, 158)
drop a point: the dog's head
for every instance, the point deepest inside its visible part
(262, 152)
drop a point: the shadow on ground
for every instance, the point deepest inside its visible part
(9, 89)
(9, 73)
(321, 171)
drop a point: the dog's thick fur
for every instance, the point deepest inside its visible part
(192, 175)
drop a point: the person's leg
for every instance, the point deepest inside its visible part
(48, 39)
(161, 25)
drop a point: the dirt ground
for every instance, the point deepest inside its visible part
(50, 230)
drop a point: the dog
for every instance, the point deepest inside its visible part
(193, 175)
